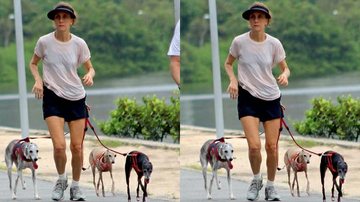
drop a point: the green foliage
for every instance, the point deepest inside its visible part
(125, 37)
(319, 37)
(340, 121)
(154, 120)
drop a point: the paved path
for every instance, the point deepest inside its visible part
(192, 190)
(45, 188)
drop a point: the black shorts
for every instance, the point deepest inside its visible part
(54, 105)
(249, 105)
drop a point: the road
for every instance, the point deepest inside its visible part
(45, 188)
(192, 190)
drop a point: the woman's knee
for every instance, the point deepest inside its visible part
(76, 148)
(255, 149)
(59, 149)
(270, 148)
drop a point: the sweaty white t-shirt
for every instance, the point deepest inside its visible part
(255, 63)
(60, 63)
(174, 49)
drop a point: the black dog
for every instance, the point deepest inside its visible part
(338, 167)
(143, 167)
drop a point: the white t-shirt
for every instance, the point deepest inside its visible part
(255, 63)
(174, 49)
(60, 63)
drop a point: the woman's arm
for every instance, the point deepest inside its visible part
(285, 73)
(88, 77)
(233, 86)
(38, 86)
(175, 68)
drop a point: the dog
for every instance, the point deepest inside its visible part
(296, 159)
(143, 167)
(219, 154)
(24, 154)
(102, 159)
(338, 167)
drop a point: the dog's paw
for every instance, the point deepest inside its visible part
(209, 197)
(37, 197)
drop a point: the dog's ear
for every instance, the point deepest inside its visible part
(221, 150)
(26, 150)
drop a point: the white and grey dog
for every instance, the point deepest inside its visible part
(297, 159)
(102, 159)
(219, 154)
(24, 154)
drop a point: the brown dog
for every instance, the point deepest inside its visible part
(297, 160)
(102, 159)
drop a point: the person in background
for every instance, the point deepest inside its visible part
(63, 93)
(258, 93)
(174, 54)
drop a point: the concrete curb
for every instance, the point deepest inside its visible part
(284, 136)
(91, 136)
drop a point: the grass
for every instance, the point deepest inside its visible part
(305, 143)
(109, 143)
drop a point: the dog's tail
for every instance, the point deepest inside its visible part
(85, 168)
(280, 168)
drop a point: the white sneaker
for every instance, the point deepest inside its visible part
(58, 191)
(271, 194)
(76, 194)
(255, 187)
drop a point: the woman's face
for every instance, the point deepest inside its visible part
(63, 21)
(258, 21)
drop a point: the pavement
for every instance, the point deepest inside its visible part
(45, 188)
(192, 190)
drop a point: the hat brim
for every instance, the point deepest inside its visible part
(51, 14)
(246, 14)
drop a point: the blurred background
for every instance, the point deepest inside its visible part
(128, 40)
(321, 41)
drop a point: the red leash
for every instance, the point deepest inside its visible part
(87, 123)
(282, 122)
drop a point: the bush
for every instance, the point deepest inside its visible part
(327, 120)
(154, 120)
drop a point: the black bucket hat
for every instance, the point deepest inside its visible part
(51, 14)
(246, 14)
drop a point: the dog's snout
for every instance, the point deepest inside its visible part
(35, 159)
(113, 162)
(231, 159)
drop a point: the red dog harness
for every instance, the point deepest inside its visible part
(100, 161)
(329, 162)
(18, 151)
(213, 151)
(134, 162)
(299, 166)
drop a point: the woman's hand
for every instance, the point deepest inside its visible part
(233, 89)
(38, 89)
(283, 79)
(88, 79)
(285, 73)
